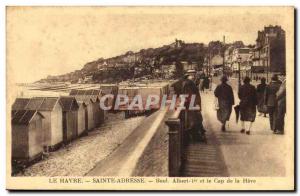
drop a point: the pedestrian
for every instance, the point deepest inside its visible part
(197, 80)
(224, 94)
(195, 127)
(210, 82)
(260, 90)
(205, 83)
(248, 102)
(201, 85)
(281, 108)
(271, 101)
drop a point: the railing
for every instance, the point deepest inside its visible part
(177, 138)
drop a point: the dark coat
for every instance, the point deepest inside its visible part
(224, 93)
(248, 102)
(281, 107)
(260, 90)
(190, 88)
(205, 84)
(281, 95)
(195, 119)
(270, 95)
(178, 86)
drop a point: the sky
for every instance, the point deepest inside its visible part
(45, 41)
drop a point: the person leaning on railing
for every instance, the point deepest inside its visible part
(195, 127)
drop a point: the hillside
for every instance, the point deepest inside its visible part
(151, 62)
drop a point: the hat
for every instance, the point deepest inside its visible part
(190, 71)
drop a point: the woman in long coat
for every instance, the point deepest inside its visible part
(225, 97)
(248, 102)
(260, 90)
(194, 122)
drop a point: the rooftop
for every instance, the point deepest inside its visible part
(23, 117)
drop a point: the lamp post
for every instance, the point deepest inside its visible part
(239, 59)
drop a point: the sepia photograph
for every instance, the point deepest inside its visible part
(150, 98)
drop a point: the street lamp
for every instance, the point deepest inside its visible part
(239, 59)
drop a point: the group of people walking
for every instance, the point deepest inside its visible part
(267, 98)
(203, 82)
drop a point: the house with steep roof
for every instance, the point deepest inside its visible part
(27, 135)
(69, 118)
(51, 109)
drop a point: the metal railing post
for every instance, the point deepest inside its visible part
(174, 125)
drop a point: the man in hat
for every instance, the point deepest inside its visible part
(271, 101)
(281, 108)
(224, 94)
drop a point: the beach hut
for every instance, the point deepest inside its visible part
(27, 135)
(50, 108)
(109, 89)
(80, 97)
(89, 112)
(69, 118)
(98, 113)
(82, 118)
(20, 103)
(91, 99)
(90, 123)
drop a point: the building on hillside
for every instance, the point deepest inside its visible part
(129, 57)
(177, 44)
(88, 79)
(187, 66)
(102, 65)
(168, 70)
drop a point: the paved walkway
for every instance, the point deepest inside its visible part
(205, 160)
(231, 153)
